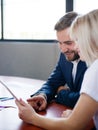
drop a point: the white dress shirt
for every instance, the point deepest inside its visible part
(74, 70)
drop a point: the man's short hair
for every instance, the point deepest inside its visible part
(65, 21)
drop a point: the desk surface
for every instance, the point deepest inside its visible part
(24, 87)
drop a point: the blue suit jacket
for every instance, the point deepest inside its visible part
(62, 75)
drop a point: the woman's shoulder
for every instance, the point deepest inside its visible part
(95, 64)
(93, 69)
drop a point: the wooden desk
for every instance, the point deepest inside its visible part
(23, 87)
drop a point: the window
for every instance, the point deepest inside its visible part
(31, 19)
(84, 6)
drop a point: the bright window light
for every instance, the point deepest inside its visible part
(84, 6)
(31, 19)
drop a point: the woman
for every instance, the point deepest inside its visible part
(84, 31)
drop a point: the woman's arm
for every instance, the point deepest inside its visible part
(77, 120)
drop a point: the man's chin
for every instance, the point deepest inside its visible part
(71, 59)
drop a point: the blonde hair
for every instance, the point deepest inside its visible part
(84, 31)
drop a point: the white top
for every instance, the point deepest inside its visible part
(90, 85)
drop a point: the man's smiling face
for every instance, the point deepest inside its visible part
(67, 45)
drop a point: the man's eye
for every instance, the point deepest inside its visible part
(69, 42)
(66, 42)
(60, 43)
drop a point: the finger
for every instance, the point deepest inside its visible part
(29, 99)
(20, 102)
(36, 105)
(63, 115)
(33, 99)
(42, 106)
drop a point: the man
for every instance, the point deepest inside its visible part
(64, 84)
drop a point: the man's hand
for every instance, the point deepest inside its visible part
(38, 102)
(63, 88)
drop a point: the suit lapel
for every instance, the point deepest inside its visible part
(81, 67)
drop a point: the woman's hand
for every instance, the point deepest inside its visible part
(66, 113)
(26, 112)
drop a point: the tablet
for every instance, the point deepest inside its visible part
(8, 90)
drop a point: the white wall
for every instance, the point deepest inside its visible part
(32, 60)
